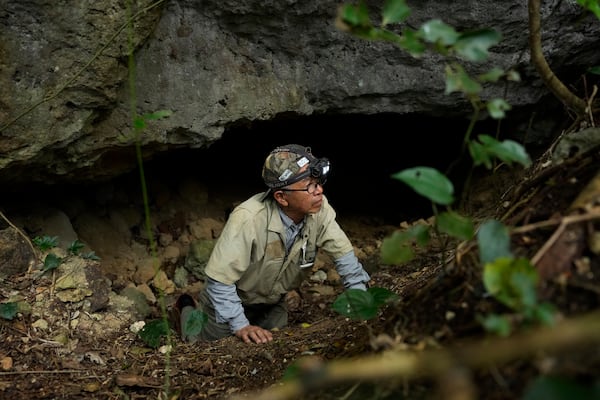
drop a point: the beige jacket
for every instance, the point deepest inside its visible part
(250, 252)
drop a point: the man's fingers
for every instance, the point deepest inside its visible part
(255, 334)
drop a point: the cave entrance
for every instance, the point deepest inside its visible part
(364, 150)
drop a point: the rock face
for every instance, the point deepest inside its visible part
(65, 98)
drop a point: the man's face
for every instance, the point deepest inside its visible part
(304, 197)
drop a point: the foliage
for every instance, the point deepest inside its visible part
(51, 262)
(153, 331)
(428, 182)
(194, 323)
(359, 304)
(8, 310)
(90, 256)
(75, 247)
(511, 281)
(45, 243)
(487, 148)
(592, 5)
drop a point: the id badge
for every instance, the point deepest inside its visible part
(304, 263)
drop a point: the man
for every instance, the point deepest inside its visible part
(267, 248)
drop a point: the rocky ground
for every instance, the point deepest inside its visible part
(73, 335)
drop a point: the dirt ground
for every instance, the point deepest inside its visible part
(440, 294)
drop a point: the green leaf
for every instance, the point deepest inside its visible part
(479, 154)
(356, 304)
(75, 247)
(381, 295)
(8, 310)
(474, 46)
(397, 249)
(52, 261)
(419, 232)
(594, 70)
(457, 80)
(394, 11)
(428, 182)
(508, 151)
(493, 240)
(592, 5)
(292, 372)
(545, 313)
(559, 388)
(356, 16)
(45, 242)
(139, 123)
(455, 225)
(497, 324)
(153, 331)
(523, 284)
(492, 75)
(195, 322)
(436, 31)
(497, 107)
(411, 42)
(90, 256)
(512, 282)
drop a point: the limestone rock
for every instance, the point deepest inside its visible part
(214, 64)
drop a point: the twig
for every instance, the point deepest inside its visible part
(63, 371)
(350, 391)
(51, 96)
(52, 287)
(551, 81)
(562, 225)
(570, 219)
(518, 204)
(589, 107)
(544, 174)
(19, 232)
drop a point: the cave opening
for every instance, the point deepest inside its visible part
(364, 150)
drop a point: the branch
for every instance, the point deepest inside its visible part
(537, 58)
(35, 254)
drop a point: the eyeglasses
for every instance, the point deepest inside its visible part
(310, 188)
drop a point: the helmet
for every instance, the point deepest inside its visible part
(282, 166)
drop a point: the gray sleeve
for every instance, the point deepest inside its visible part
(352, 272)
(227, 303)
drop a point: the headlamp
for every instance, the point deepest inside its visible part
(318, 170)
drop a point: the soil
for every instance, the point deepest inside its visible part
(440, 294)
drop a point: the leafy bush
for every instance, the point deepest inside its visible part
(511, 281)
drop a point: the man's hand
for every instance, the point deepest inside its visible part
(256, 334)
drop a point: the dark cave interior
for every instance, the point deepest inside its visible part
(364, 150)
